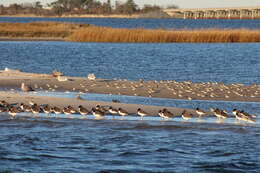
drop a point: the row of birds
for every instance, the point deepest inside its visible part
(100, 111)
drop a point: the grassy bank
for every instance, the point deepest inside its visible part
(38, 30)
(101, 34)
(87, 33)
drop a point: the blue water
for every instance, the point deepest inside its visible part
(229, 63)
(149, 23)
(74, 144)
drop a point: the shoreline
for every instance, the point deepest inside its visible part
(116, 16)
(123, 16)
(73, 32)
(185, 90)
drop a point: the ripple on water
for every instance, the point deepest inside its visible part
(229, 166)
(127, 146)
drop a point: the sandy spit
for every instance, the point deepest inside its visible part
(185, 90)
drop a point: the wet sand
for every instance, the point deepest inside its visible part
(161, 89)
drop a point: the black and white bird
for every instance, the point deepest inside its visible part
(141, 112)
(220, 114)
(186, 115)
(122, 112)
(200, 112)
(82, 110)
(97, 113)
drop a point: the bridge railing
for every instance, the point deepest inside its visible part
(242, 13)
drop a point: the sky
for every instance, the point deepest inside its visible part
(180, 3)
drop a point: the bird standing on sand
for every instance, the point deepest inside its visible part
(112, 111)
(46, 109)
(56, 110)
(166, 114)
(66, 111)
(200, 112)
(186, 115)
(141, 113)
(122, 112)
(13, 111)
(220, 114)
(35, 109)
(72, 110)
(160, 113)
(243, 116)
(235, 112)
(97, 113)
(82, 110)
(100, 108)
(26, 88)
(25, 108)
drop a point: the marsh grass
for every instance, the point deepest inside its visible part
(105, 34)
(89, 33)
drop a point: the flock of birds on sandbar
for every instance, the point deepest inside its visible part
(100, 111)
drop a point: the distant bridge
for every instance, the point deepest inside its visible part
(216, 13)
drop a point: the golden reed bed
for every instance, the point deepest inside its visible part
(89, 33)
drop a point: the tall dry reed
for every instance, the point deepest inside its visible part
(104, 34)
(87, 33)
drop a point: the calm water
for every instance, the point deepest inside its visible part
(229, 63)
(41, 144)
(149, 23)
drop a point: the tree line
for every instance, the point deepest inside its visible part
(68, 7)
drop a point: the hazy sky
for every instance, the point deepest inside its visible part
(180, 3)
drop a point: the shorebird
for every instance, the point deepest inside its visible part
(46, 109)
(82, 110)
(66, 111)
(13, 111)
(186, 115)
(200, 112)
(4, 103)
(122, 112)
(91, 76)
(97, 113)
(25, 108)
(165, 114)
(35, 109)
(141, 113)
(248, 115)
(235, 112)
(72, 110)
(26, 88)
(112, 111)
(220, 114)
(56, 110)
(62, 78)
(100, 108)
(243, 116)
(160, 113)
